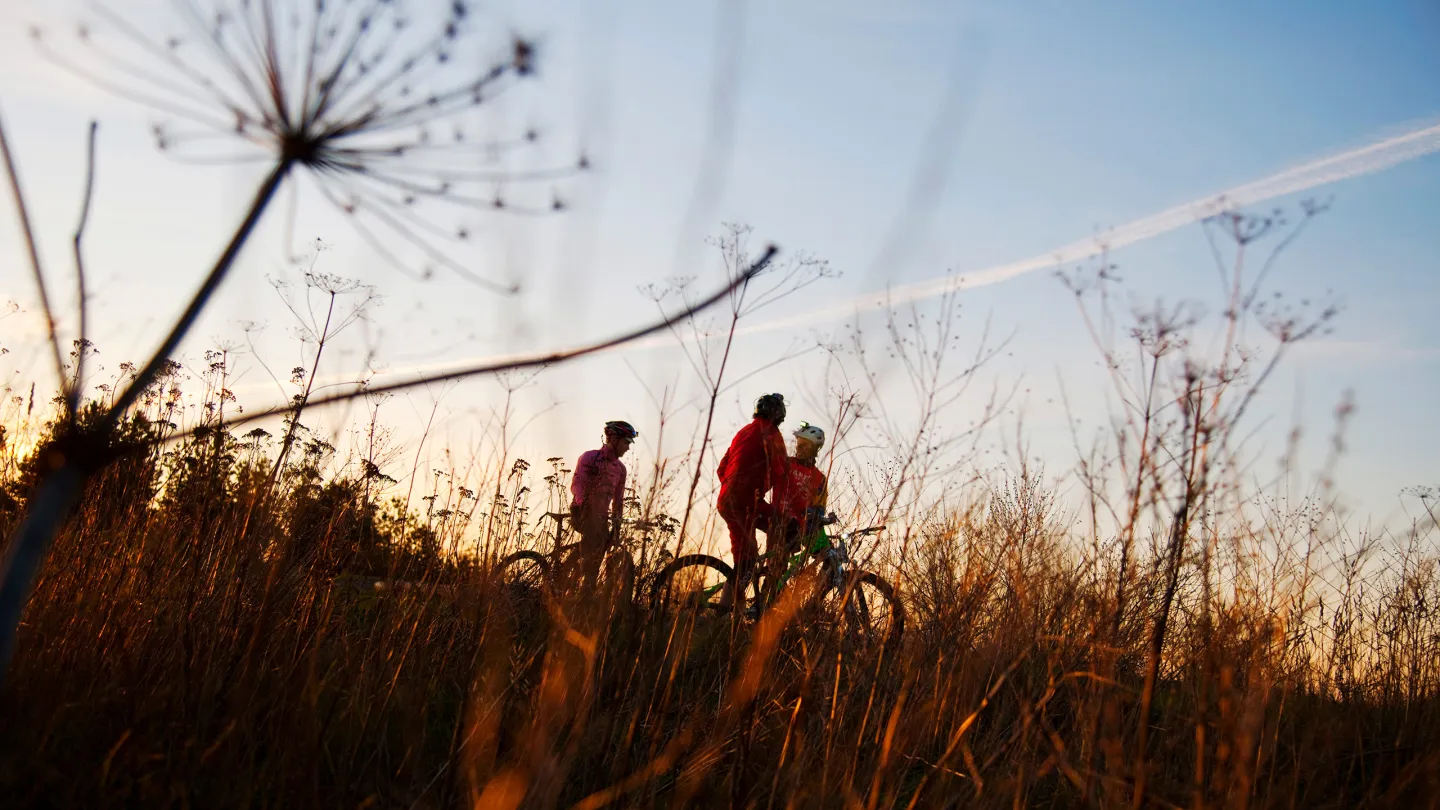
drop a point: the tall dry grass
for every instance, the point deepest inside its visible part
(192, 640)
(188, 645)
(1176, 637)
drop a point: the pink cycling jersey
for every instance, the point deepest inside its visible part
(599, 484)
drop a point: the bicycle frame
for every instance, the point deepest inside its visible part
(560, 551)
(822, 548)
(847, 597)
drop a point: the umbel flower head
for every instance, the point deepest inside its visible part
(380, 101)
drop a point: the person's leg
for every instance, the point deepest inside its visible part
(743, 550)
(594, 542)
(778, 537)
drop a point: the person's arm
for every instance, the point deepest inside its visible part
(580, 482)
(815, 509)
(736, 454)
(779, 466)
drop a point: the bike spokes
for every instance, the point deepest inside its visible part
(860, 615)
(524, 571)
(867, 608)
(695, 582)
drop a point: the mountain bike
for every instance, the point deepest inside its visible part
(529, 570)
(861, 602)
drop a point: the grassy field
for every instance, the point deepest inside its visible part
(187, 646)
(1168, 631)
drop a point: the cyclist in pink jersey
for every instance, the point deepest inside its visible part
(599, 496)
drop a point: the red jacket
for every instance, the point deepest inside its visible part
(755, 462)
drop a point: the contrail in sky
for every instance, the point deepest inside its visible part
(1364, 160)
(1369, 159)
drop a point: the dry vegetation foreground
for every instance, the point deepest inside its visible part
(188, 646)
(193, 639)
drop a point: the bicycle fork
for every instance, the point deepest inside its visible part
(856, 609)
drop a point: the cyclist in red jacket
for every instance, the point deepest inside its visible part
(754, 465)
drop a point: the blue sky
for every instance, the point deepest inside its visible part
(1070, 118)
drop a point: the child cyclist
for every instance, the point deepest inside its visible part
(801, 506)
(807, 494)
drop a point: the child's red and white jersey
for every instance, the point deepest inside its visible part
(806, 489)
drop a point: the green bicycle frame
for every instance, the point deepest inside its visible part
(819, 542)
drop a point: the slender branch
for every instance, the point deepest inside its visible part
(532, 361)
(27, 550)
(73, 396)
(1294, 234)
(304, 399)
(705, 437)
(23, 210)
(202, 296)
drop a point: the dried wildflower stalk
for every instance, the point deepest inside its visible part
(367, 99)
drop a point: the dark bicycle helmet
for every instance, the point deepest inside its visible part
(622, 429)
(772, 407)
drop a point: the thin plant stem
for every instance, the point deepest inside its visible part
(23, 210)
(81, 304)
(58, 491)
(151, 369)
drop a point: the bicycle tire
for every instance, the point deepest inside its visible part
(859, 616)
(662, 593)
(525, 569)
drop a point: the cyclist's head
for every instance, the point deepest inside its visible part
(771, 407)
(619, 435)
(808, 441)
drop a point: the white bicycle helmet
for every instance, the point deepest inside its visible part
(810, 433)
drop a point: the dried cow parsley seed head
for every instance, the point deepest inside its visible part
(377, 99)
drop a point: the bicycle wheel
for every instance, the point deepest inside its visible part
(524, 570)
(867, 607)
(694, 581)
